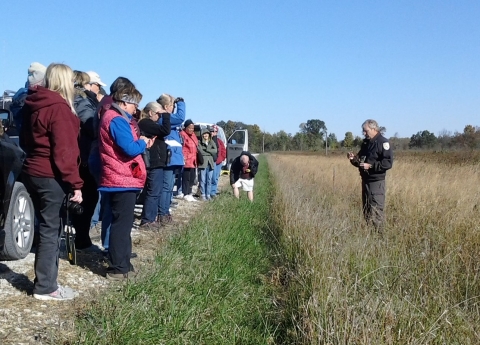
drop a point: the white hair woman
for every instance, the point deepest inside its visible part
(157, 160)
(51, 170)
(175, 163)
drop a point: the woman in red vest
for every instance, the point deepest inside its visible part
(122, 176)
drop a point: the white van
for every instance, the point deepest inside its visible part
(235, 144)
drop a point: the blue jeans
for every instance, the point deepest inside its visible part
(205, 181)
(215, 177)
(96, 213)
(106, 218)
(153, 192)
(102, 210)
(166, 195)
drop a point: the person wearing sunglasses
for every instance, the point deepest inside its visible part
(95, 84)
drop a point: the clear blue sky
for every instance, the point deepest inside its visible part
(411, 65)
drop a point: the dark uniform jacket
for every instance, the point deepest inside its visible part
(236, 168)
(379, 154)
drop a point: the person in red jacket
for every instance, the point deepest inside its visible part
(50, 126)
(189, 150)
(221, 155)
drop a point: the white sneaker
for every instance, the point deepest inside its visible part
(61, 294)
(189, 197)
(179, 196)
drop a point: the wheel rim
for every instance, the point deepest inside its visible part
(22, 221)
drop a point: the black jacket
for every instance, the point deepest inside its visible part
(158, 151)
(85, 104)
(236, 167)
(379, 154)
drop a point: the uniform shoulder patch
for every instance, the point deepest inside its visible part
(386, 146)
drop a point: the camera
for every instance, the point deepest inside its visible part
(72, 206)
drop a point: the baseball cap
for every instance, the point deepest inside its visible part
(95, 78)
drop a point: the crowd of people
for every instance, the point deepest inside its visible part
(122, 152)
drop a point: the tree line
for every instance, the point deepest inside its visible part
(313, 136)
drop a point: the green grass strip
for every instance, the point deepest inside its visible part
(209, 285)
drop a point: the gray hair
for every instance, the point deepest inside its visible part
(153, 106)
(165, 100)
(372, 124)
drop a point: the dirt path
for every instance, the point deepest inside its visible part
(25, 320)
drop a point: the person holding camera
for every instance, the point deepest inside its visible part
(156, 161)
(373, 160)
(174, 145)
(122, 176)
(51, 170)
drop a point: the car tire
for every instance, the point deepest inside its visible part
(19, 225)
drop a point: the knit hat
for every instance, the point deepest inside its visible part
(187, 123)
(36, 74)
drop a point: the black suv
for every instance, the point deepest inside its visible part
(16, 208)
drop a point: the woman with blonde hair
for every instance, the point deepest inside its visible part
(156, 162)
(51, 170)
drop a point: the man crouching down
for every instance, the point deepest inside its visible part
(242, 172)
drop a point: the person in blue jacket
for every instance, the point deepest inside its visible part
(174, 151)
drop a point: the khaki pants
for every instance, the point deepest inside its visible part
(373, 199)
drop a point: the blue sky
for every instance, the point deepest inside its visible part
(411, 65)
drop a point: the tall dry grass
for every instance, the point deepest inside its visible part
(417, 283)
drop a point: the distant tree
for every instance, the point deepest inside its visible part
(445, 139)
(283, 141)
(314, 131)
(315, 127)
(348, 141)
(299, 142)
(399, 143)
(358, 141)
(423, 139)
(332, 141)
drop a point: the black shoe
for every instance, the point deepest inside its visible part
(133, 255)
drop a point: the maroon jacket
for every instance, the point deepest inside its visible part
(49, 137)
(222, 151)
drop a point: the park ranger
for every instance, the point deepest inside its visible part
(373, 160)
